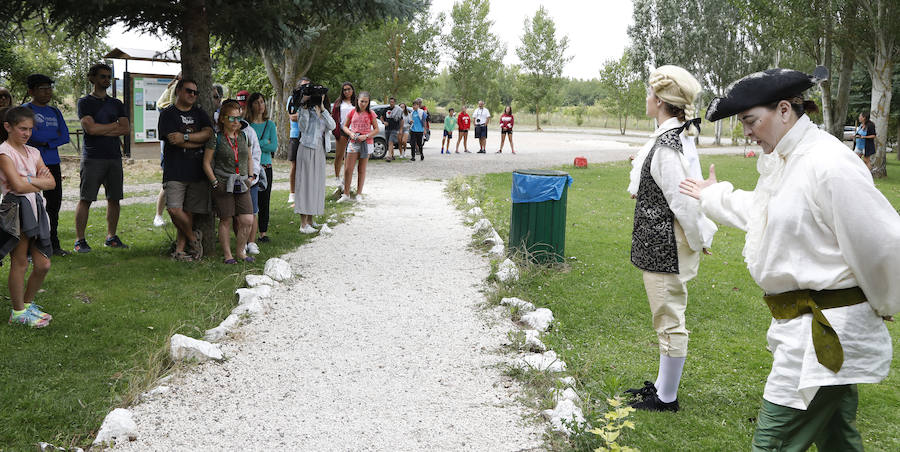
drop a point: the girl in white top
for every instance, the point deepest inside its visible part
(23, 174)
(346, 102)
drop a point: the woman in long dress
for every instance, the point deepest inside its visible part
(315, 123)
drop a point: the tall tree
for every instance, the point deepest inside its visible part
(543, 58)
(474, 51)
(623, 90)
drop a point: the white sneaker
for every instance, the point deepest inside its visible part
(359, 198)
(316, 225)
(308, 230)
(252, 248)
(344, 198)
(159, 221)
(290, 198)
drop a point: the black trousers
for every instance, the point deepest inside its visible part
(264, 197)
(54, 202)
(416, 144)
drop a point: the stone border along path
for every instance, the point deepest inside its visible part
(379, 342)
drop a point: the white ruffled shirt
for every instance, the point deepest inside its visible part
(668, 170)
(819, 224)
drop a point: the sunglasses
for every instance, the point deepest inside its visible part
(234, 118)
(192, 92)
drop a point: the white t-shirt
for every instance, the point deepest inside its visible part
(346, 108)
(481, 115)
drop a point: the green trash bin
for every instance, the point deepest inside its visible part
(537, 224)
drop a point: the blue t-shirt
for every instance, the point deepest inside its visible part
(418, 120)
(295, 127)
(49, 133)
(104, 111)
(861, 142)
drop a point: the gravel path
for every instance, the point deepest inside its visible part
(380, 344)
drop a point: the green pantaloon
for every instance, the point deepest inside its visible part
(829, 422)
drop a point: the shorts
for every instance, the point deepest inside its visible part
(231, 204)
(859, 152)
(506, 132)
(292, 149)
(362, 148)
(463, 132)
(869, 153)
(481, 131)
(254, 198)
(97, 172)
(448, 134)
(394, 136)
(189, 196)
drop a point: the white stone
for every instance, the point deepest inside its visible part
(540, 319)
(533, 341)
(524, 306)
(470, 201)
(547, 361)
(482, 225)
(278, 269)
(565, 394)
(507, 271)
(465, 187)
(155, 391)
(118, 426)
(565, 410)
(246, 295)
(475, 212)
(218, 333)
(493, 238)
(498, 250)
(252, 308)
(183, 347)
(259, 280)
(568, 381)
(325, 230)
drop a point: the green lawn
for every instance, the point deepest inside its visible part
(603, 329)
(114, 311)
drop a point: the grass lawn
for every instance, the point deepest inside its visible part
(114, 311)
(604, 334)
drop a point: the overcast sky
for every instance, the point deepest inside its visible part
(596, 31)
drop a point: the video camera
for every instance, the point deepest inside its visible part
(316, 94)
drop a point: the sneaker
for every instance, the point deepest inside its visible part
(159, 221)
(343, 199)
(28, 318)
(114, 242)
(264, 239)
(442, 150)
(308, 230)
(653, 403)
(38, 311)
(648, 390)
(316, 225)
(252, 248)
(58, 251)
(81, 246)
(359, 198)
(290, 198)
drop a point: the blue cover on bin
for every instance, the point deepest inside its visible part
(538, 188)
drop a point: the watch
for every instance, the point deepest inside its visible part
(187, 137)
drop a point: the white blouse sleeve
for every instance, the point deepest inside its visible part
(725, 205)
(668, 170)
(867, 229)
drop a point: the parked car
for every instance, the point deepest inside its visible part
(849, 132)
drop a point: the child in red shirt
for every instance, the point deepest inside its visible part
(506, 125)
(463, 121)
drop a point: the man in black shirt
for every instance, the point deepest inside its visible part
(104, 120)
(185, 128)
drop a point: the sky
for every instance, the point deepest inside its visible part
(596, 31)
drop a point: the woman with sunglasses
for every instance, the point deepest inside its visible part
(342, 107)
(227, 165)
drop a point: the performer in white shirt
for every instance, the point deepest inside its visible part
(482, 118)
(670, 231)
(823, 244)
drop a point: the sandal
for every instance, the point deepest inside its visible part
(230, 261)
(181, 256)
(249, 259)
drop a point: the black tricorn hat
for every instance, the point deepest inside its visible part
(762, 88)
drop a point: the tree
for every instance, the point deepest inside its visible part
(543, 59)
(623, 90)
(473, 50)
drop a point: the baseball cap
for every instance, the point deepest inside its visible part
(34, 80)
(242, 96)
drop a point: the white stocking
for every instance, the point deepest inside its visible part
(668, 378)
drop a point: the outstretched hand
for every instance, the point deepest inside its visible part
(693, 187)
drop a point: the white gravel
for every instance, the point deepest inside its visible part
(378, 344)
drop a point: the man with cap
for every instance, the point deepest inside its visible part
(829, 286)
(50, 132)
(241, 97)
(670, 231)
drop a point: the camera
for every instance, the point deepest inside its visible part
(316, 95)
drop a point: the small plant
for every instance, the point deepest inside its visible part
(613, 422)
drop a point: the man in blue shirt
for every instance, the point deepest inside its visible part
(49, 133)
(104, 120)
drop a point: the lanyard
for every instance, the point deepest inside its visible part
(234, 148)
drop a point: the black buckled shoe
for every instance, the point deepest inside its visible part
(653, 403)
(648, 390)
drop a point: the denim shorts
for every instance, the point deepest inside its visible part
(362, 148)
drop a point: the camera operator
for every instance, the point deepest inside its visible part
(315, 124)
(295, 133)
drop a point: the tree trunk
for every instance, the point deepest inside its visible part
(842, 104)
(718, 141)
(827, 107)
(196, 64)
(881, 72)
(537, 117)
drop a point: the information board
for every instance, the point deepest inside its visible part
(146, 92)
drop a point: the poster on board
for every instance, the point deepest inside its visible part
(146, 91)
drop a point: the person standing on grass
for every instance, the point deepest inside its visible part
(463, 121)
(315, 125)
(23, 176)
(482, 119)
(185, 128)
(294, 146)
(267, 133)
(165, 99)
(829, 285)
(342, 107)
(449, 124)
(506, 126)
(670, 231)
(418, 119)
(104, 120)
(50, 132)
(393, 127)
(361, 125)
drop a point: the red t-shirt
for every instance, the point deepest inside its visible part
(463, 120)
(506, 122)
(362, 123)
